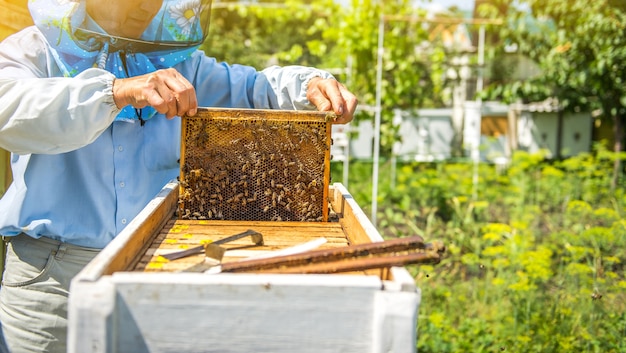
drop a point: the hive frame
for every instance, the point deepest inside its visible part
(255, 165)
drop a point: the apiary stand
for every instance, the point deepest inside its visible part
(113, 308)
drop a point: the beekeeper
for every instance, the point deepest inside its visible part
(89, 100)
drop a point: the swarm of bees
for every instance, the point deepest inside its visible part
(247, 168)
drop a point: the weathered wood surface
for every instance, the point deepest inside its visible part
(179, 235)
(14, 16)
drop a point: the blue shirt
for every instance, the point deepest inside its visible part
(79, 176)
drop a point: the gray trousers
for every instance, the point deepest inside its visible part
(34, 292)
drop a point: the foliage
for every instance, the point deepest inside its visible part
(580, 48)
(343, 40)
(271, 33)
(535, 263)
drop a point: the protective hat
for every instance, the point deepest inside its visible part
(178, 24)
(78, 42)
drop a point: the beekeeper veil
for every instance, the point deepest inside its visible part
(125, 37)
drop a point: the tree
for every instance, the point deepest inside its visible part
(580, 47)
(321, 33)
(271, 32)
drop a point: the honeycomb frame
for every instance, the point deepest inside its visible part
(255, 165)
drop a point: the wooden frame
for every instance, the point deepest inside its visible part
(265, 150)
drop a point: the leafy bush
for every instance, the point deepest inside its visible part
(535, 254)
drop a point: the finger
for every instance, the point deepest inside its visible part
(185, 95)
(317, 98)
(333, 92)
(169, 106)
(350, 104)
(342, 102)
(187, 101)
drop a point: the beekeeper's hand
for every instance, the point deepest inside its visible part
(167, 91)
(330, 95)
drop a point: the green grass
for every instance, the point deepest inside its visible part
(535, 257)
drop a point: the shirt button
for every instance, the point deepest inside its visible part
(123, 220)
(120, 148)
(122, 184)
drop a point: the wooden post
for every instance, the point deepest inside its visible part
(5, 171)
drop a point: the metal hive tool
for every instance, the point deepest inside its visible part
(263, 165)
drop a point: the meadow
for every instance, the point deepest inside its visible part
(536, 251)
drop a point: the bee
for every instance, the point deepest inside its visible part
(596, 295)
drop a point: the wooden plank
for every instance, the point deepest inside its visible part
(184, 234)
(5, 171)
(356, 225)
(187, 312)
(327, 157)
(127, 248)
(13, 17)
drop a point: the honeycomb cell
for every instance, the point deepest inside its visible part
(266, 165)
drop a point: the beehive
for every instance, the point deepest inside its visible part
(255, 165)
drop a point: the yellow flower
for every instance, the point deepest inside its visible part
(563, 47)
